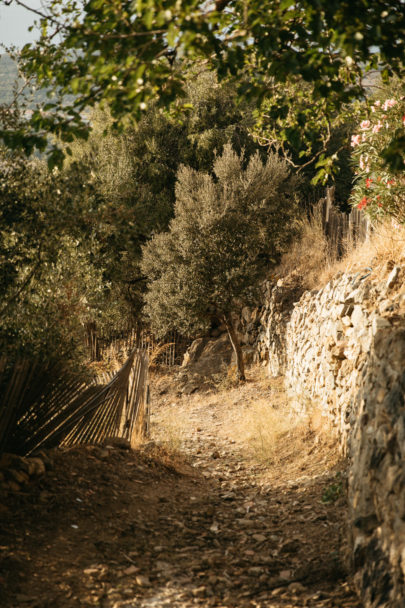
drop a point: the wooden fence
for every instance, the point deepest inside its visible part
(114, 344)
(42, 407)
(341, 228)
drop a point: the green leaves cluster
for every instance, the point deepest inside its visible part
(127, 54)
(51, 269)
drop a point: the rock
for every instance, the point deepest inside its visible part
(246, 314)
(255, 571)
(103, 454)
(208, 357)
(163, 566)
(189, 389)
(194, 352)
(379, 323)
(285, 575)
(338, 351)
(92, 570)
(384, 305)
(37, 466)
(131, 570)
(296, 588)
(117, 442)
(142, 581)
(357, 316)
(393, 277)
(200, 591)
(291, 546)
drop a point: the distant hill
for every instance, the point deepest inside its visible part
(8, 78)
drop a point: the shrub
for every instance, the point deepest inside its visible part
(379, 190)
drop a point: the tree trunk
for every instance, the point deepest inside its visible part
(236, 347)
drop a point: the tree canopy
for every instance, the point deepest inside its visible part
(128, 53)
(133, 173)
(227, 231)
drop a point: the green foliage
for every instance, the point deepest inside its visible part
(134, 172)
(312, 137)
(70, 240)
(332, 492)
(129, 54)
(227, 231)
(216, 117)
(133, 175)
(51, 274)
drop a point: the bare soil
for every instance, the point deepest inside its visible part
(194, 518)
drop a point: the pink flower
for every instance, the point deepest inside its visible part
(355, 141)
(377, 127)
(389, 103)
(377, 103)
(365, 124)
(363, 163)
(403, 119)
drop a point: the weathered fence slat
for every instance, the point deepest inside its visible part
(112, 345)
(41, 408)
(341, 228)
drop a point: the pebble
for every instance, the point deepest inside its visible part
(142, 581)
(131, 570)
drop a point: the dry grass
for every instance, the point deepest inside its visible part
(311, 262)
(265, 427)
(271, 431)
(268, 422)
(156, 353)
(309, 254)
(169, 434)
(384, 248)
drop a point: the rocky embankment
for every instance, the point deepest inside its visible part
(342, 350)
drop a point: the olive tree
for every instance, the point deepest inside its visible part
(229, 228)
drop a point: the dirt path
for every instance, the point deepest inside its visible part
(219, 523)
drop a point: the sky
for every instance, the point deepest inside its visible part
(15, 21)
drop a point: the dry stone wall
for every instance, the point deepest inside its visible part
(342, 349)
